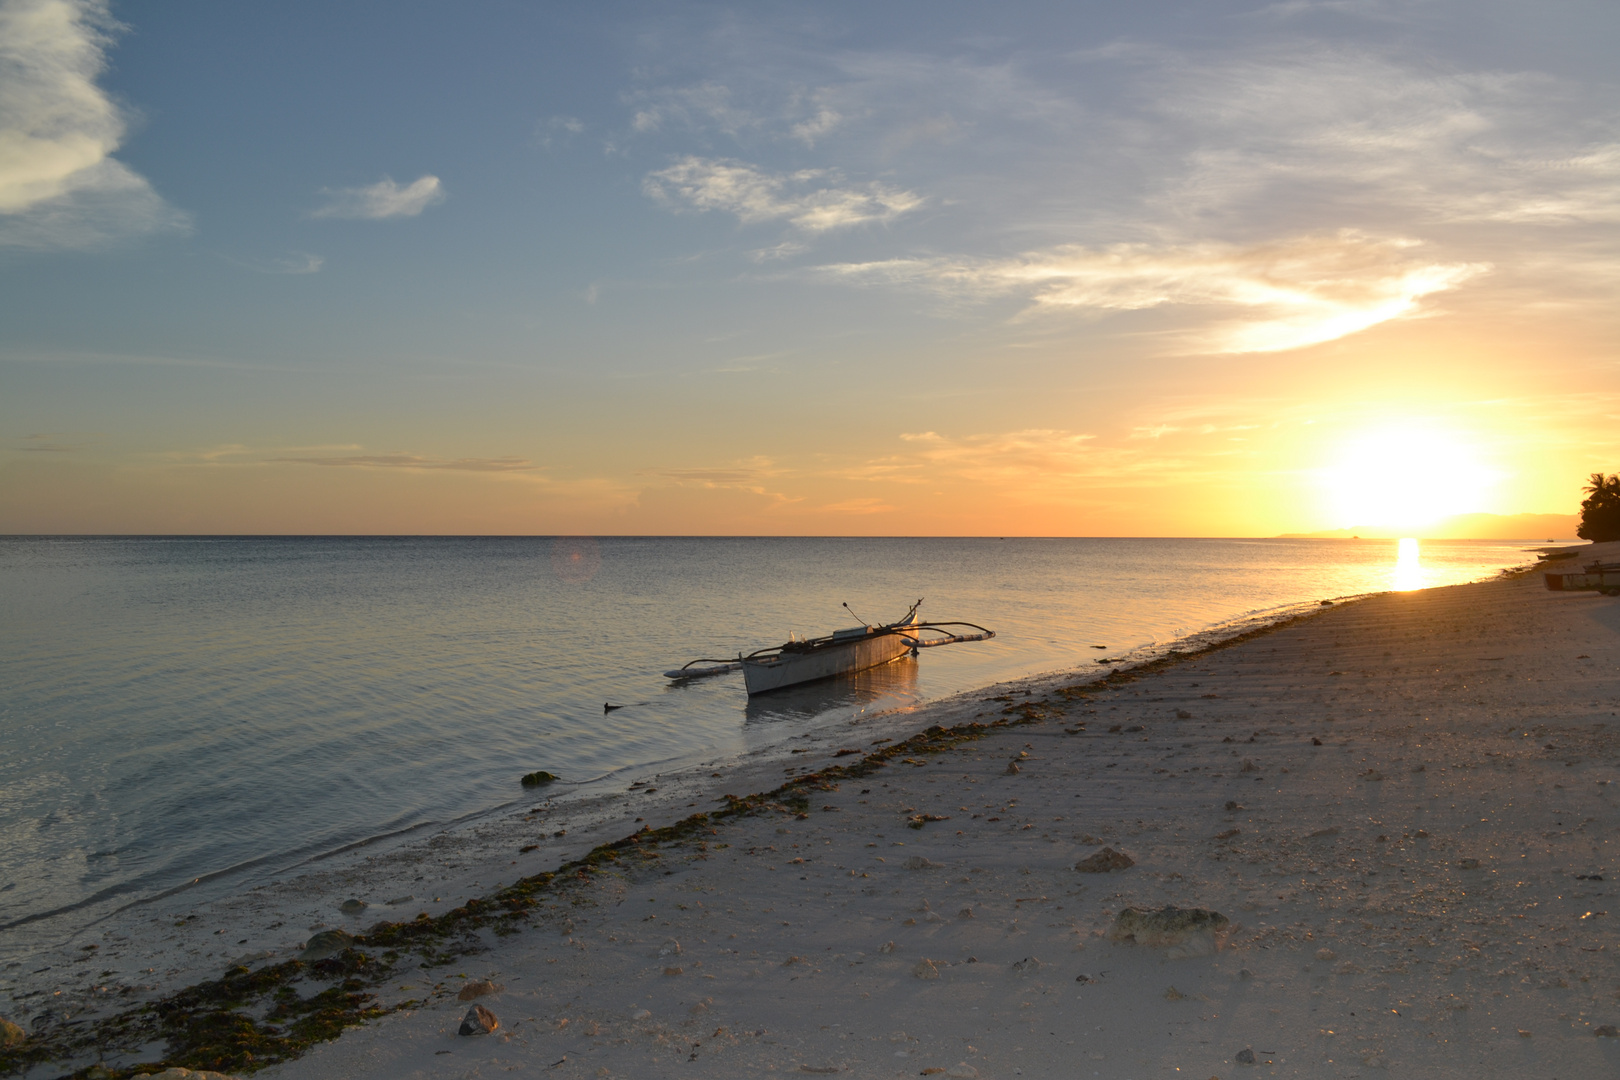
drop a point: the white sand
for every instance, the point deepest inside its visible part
(1476, 722)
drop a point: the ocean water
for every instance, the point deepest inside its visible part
(216, 711)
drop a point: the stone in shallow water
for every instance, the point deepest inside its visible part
(352, 906)
(10, 1034)
(1181, 931)
(324, 944)
(1105, 861)
(478, 1021)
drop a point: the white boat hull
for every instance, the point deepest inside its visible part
(841, 658)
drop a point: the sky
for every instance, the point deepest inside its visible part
(1210, 268)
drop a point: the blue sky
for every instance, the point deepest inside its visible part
(1073, 268)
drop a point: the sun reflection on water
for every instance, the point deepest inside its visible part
(1408, 568)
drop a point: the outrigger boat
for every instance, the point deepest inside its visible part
(1599, 576)
(842, 652)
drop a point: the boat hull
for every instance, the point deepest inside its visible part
(839, 658)
(1603, 580)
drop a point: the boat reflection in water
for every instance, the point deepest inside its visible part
(888, 686)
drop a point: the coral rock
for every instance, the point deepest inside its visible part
(478, 1021)
(479, 988)
(325, 944)
(1105, 861)
(1182, 931)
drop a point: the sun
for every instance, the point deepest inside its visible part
(1405, 477)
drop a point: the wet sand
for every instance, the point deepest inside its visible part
(1403, 805)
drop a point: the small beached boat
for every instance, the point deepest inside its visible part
(842, 652)
(1599, 577)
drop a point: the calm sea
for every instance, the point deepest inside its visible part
(174, 708)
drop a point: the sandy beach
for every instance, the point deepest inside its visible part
(1399, 808)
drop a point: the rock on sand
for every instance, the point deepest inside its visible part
(479, 988)
(1181, 931)
(324, 944)
(478, 1021)
(1105, 861)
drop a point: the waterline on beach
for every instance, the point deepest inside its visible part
(211, 715)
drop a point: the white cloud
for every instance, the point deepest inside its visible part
(384, 199)
(813, 200)
(59, 185)
(1285, 295)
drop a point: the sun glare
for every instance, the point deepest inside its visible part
(1406, 478)
(1408, 566)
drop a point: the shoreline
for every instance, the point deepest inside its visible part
(1042, 694)
(304, 896)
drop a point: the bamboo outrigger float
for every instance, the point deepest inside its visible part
(842, 652)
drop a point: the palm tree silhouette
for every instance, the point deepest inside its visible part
(1600, 510)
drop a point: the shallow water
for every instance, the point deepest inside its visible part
(175, 708)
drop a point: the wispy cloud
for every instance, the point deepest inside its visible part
(1289, 294)
(704, 105)
(557, 128)
(46, 444)
(825, 120)
(414, 461)
(856, 507)
(384, 199)
(748, 475)
(59, 185)
(1004, 457)
(301, 262)
(1365, 135)
(812, 200)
